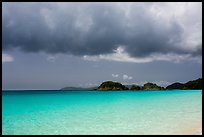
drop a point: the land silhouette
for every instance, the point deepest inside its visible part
(111, 85)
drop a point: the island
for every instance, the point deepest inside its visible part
(116, 86)
(110, 85)
(78, 88)
(135, 87)
(194, 84)
(176, 85)
(151, 86)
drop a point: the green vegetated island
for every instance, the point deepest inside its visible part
(110, 85)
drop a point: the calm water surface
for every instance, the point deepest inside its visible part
(96, 112)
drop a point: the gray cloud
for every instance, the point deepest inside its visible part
(100, 28)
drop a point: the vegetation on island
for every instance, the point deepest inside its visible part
(135, 87)
(194, 84)
(110, 85)
(176, 85)
(151, 86)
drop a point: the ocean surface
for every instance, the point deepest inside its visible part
(97, 112)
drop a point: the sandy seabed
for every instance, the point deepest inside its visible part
(195, 130)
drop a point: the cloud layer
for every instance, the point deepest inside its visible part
(144, 31)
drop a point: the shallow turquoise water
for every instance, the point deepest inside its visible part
(96, 112)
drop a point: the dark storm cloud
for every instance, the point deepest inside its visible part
(91, 29)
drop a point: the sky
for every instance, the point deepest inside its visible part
(55, 45)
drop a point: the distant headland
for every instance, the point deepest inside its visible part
(110, 85)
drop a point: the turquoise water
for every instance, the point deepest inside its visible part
(96, 112)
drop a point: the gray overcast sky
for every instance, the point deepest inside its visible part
(53, 45)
